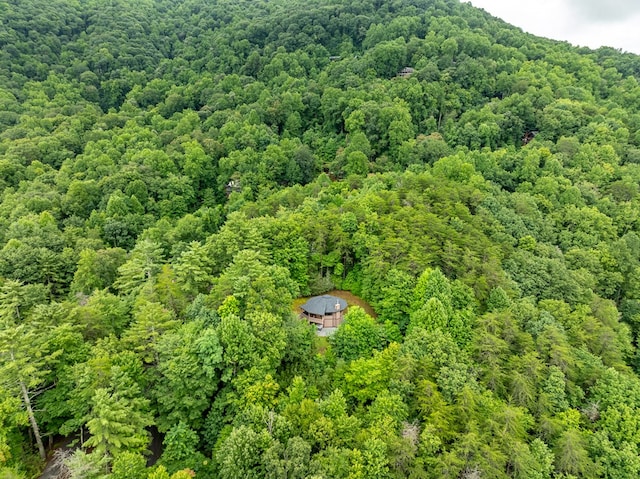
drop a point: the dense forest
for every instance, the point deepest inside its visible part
(174, 173)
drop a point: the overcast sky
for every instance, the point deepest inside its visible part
(591, 23)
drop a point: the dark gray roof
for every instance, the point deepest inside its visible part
(325, 304)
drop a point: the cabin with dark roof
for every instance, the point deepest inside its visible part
(325, 311)
(529, 136)
(406, 72)
(233, 186)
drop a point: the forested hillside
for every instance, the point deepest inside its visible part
(174, 173)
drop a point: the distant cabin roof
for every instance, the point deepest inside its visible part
(325, 304)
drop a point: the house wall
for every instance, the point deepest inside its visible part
(332, 320)
(327, 321)
(312, 318)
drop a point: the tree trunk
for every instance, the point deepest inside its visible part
(32, 420)
(32, 417)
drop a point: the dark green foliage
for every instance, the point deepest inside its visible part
(180, 449)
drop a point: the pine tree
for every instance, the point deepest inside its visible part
(151, 320)
(141, 267)
(116, 424)
(11, 299)
(24, 361)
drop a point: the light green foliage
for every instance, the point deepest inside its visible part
(433, 314)
(388, 405)
(357, 164)
(150, 321)
(256, 286)
(11, 299)
(26, 359)
(12, 417)
(255, 389)
(117, 421)
(184, 474)
(7, 473)
(358, 336)
(167, 291)
(543, 466)
(498, 300)
(142, 265)
(129, 465)
(240, 455)
(370, 461)
(237, 341)
(439, 305)
(159, 473)
(432, 284)
(621, 461)
(270, 337)
(105, 367)
(81, 465)
(366, 378)
(572, 456)
(553, 389)
(291, 461)
(192, 268)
